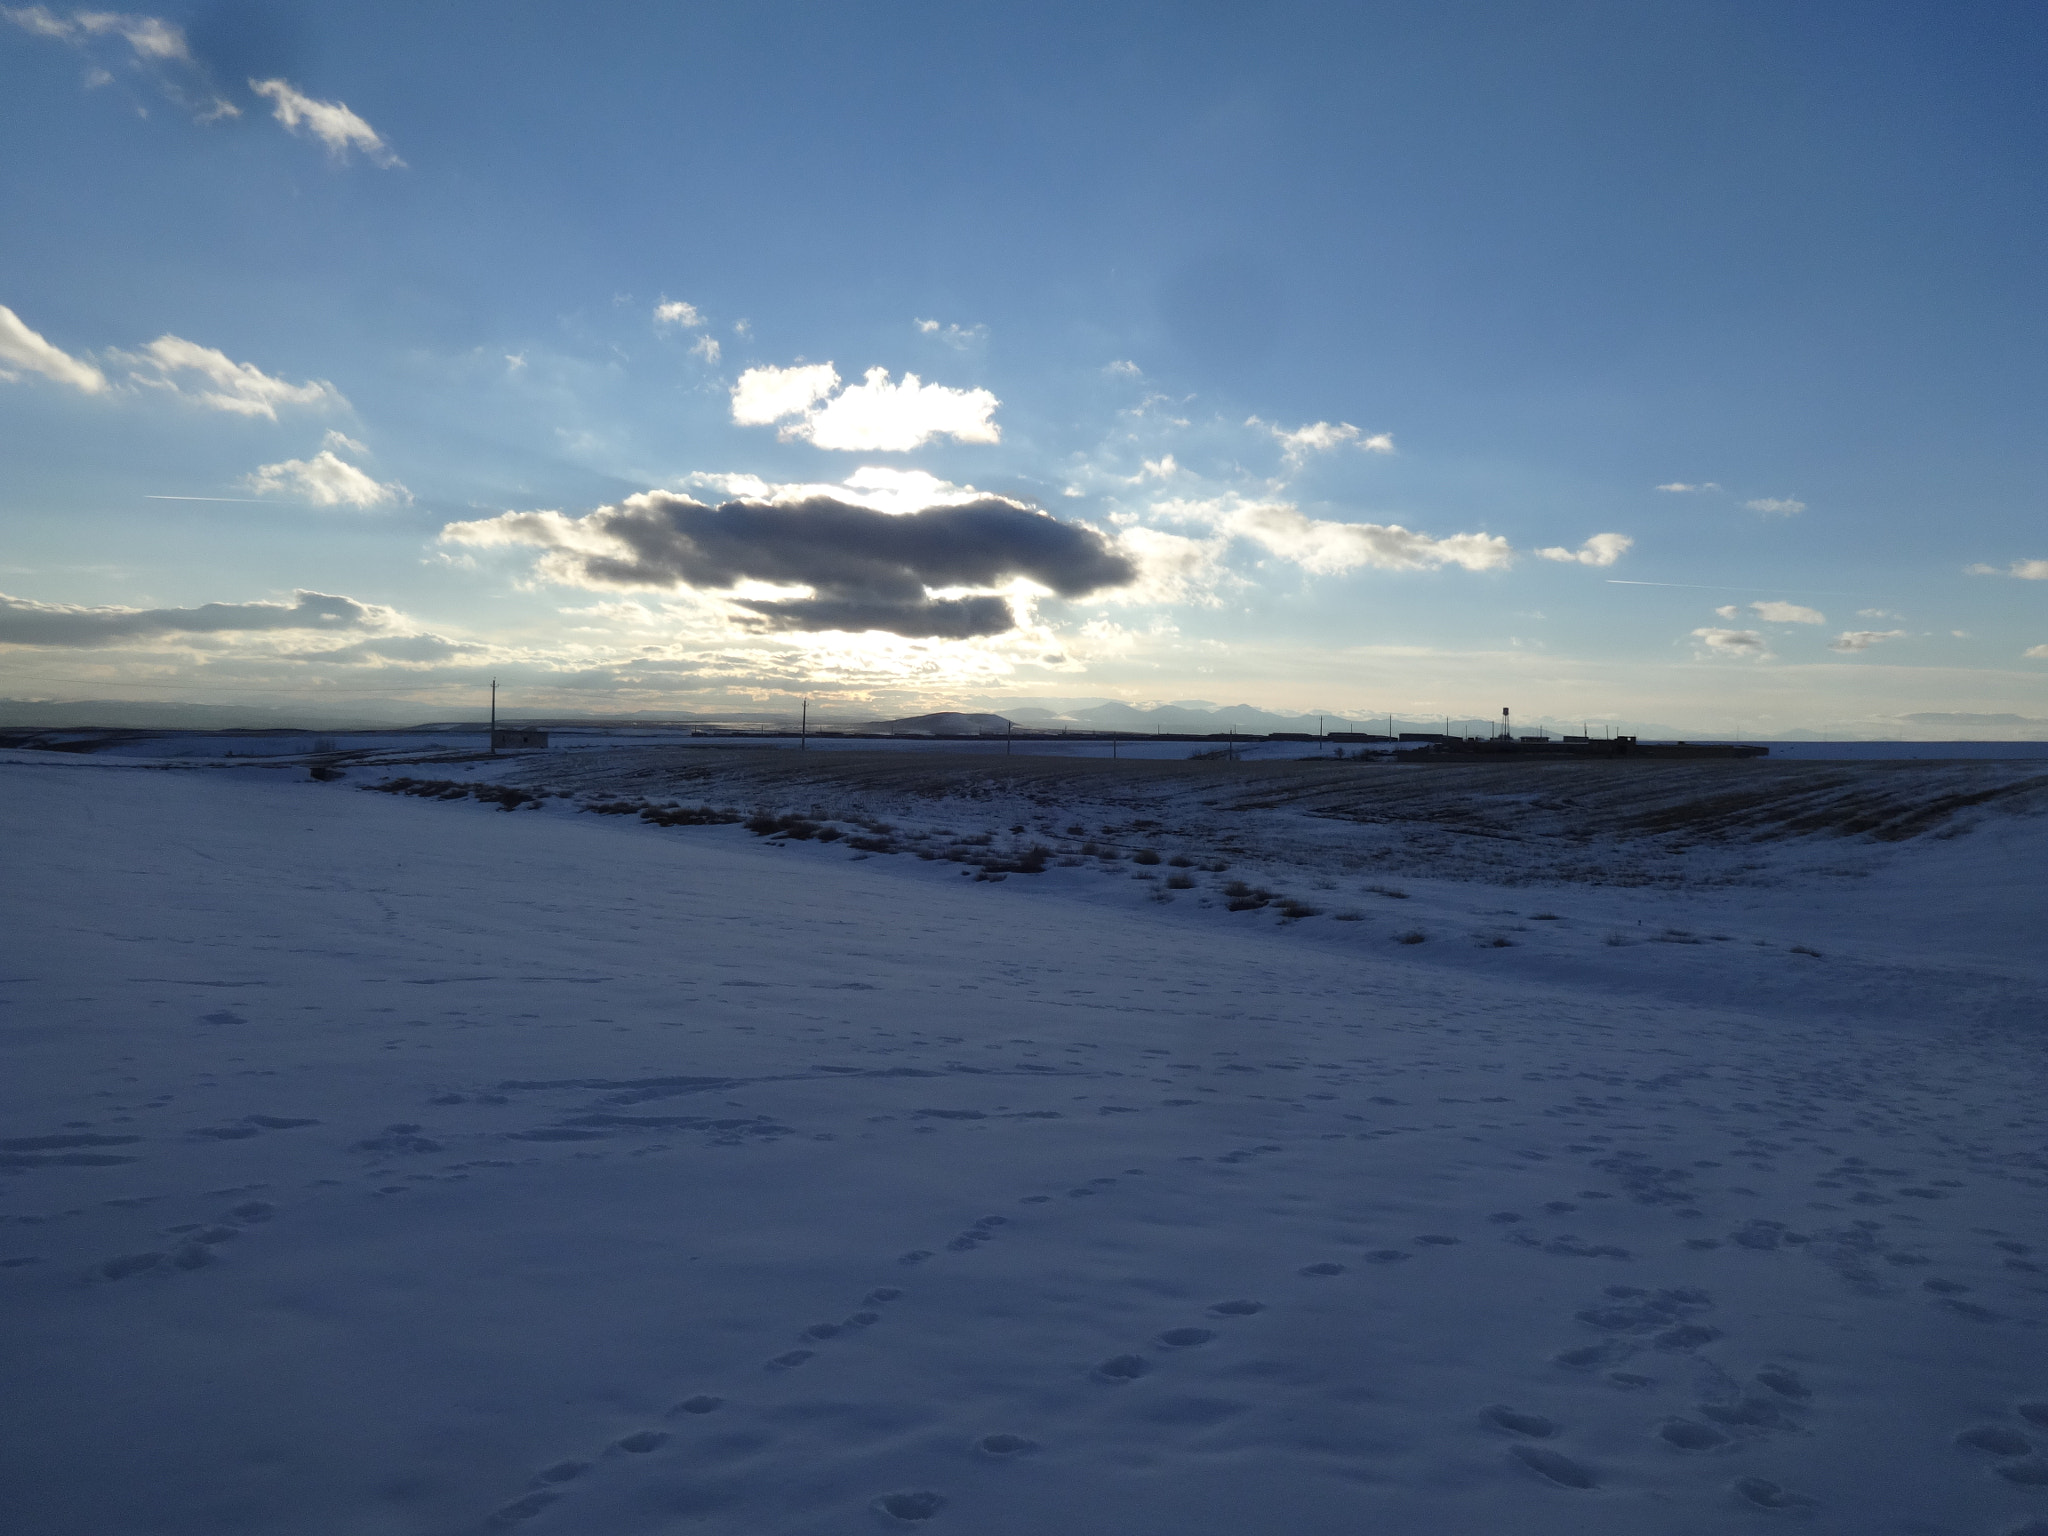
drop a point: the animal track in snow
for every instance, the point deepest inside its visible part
(921, 1505)
(1122, 1368)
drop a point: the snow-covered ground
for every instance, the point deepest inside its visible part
(379, 1163)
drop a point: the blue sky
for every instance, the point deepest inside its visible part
(1618, 362)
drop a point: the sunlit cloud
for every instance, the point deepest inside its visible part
(767, 395)
(1602, 549)
(326, 479)
(676, 312)
(25, 351)
(874, 416)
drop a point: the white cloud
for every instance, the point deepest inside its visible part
(1122, 368)
(330, 122)
(21, 348)
(1776, 506)
(1321, 437)
(1602, 549)
(958, 337)
(875, 416)
(1680, 487)
(240, 388)
(1733, 642)
(150, 36)
(1863, 639)
(326, 479)
(1773, 612)
(1163, 468)
(2025, 570)
(768, 394)
(676, 312)
(1328, 548)
(1729, 612)
(158, 49)
(1877, 613)
(2036, 653)
(707, 348)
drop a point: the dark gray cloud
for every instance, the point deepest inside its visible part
(866, 569)
(24, 622)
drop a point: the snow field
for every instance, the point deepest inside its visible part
(388, 1165)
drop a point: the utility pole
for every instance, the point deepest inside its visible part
(803, 728)
(1009, 729)
(494, 717)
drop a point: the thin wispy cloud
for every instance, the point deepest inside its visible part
(1326, 547)
(1681, 488)
(1321, 437)
(209, 377)
(331, 122)
(1863, 639)
(677, 312)
(148, 45)
(1776, 506)
(2022, 570)
(1772, 612)
(958, 337)
(874, 416)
